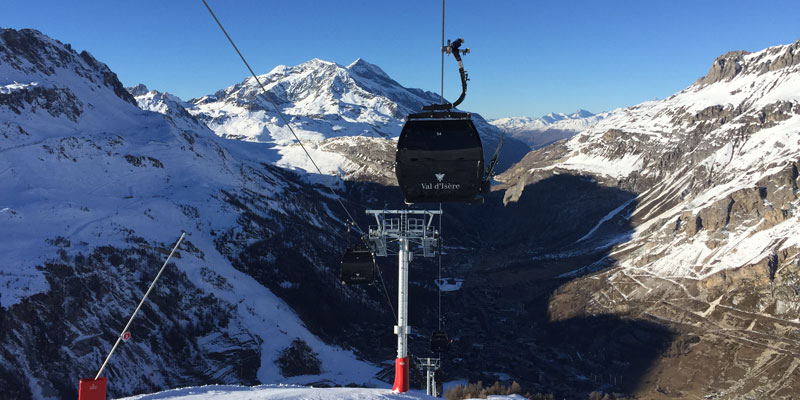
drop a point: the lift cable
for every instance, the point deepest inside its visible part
(283, 117)
(439, 285)
(286, 122)
(441, 89)
(386, 292)
(440, 282)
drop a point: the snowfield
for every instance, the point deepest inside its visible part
(270, 392)
(287, 392)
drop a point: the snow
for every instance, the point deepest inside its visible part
(538, 132)
(601, 165)
(117, 171)
(16, 86)
(292, 392)
(321, 100)
(35, 181)
(263, 313)
(692, 258)
(605, 219)
(576, 122)
(294, 156)
(277, 392)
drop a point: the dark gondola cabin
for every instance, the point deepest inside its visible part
(440, 343)
(357, 266)
(439, 158)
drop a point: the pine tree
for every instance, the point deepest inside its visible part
(514, 389)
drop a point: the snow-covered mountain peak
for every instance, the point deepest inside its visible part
(322, 100)
(138, 90)
(366, 69)
(358, 93)
(548, 120)
(541, 131)
(581, 113)
(318, 62)
(167, 104)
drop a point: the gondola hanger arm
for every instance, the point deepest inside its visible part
(454, 48)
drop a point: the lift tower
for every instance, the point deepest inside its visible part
(413, 230)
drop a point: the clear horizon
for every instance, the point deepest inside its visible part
(528, 58)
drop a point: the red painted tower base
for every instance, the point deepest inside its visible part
(400, 375)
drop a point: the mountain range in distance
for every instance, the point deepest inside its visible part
(542, 131)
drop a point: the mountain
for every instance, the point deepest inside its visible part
(324, 102)
(323, 99)
(707, 243)
(653, 254)
(540, 132)
(95, 190)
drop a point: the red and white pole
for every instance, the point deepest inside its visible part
(401, 329)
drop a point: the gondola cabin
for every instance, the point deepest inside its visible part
(357, 266)
(439, 158)
(440, 343)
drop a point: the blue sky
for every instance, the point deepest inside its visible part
(528, 57)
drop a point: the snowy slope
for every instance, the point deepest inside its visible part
(743, 131)
(539, 132)
(277, 392)
(268, 392)
(83, 168)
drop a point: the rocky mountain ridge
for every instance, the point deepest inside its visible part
(712, 249)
